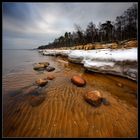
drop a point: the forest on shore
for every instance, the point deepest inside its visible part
(123, 28)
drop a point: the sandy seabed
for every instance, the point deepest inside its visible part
(64, 112)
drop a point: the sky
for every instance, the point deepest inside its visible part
(29, 25)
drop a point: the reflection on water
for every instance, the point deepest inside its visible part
(59, 110)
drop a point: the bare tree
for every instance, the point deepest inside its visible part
(80, 34)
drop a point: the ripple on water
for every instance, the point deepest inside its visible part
(63, 112)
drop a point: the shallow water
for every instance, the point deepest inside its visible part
(63, 112)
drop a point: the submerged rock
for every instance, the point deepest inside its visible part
(46, 64)
(120, 84)
(31, 90)
(93, 97)
(15, 92)
(39, 67)
(41, 82)
(36, 100)
(50, 77)
(105, 101)
(77, 80)
(49, 68)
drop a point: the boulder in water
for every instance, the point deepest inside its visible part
(77, 80)
(93, 97)
(41, 82)
(36, 100)
(50, 77)
(46, 64)
(39, 67)
(49, 68)
(31, 90)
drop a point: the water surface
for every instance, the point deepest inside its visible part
(64, 112)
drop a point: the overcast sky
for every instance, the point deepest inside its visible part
(29, 25)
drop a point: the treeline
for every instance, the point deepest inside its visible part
(124, 27)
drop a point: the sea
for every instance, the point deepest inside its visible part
(17, 60)
(59, 108)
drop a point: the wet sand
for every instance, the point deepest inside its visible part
(64, 112)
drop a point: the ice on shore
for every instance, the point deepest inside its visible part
(115, 61)
(106, 54)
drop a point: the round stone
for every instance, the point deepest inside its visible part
(93, 97)
(49, 68)
(77, 80)
(41, 82)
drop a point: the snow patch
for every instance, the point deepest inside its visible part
(89, 63)
(103, 60)
(105, 54)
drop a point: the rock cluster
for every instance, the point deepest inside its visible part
(35, 94)
(43, 66)
(92, 97)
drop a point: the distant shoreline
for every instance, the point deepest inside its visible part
(20, 49)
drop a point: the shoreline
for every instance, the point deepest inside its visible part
(107, 61)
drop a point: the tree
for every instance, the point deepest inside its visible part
(124, 27)
(80, 34)
(61, 41)
(66, 38)
(91, 33)
(107, 30)
(126, 24)
(70, 39)
(118, 28)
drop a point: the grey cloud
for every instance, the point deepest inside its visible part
(38, 23)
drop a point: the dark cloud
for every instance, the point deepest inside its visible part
(16, 11)
(30, 24)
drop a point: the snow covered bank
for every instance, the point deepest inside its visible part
(55, 52)
(121, 62)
